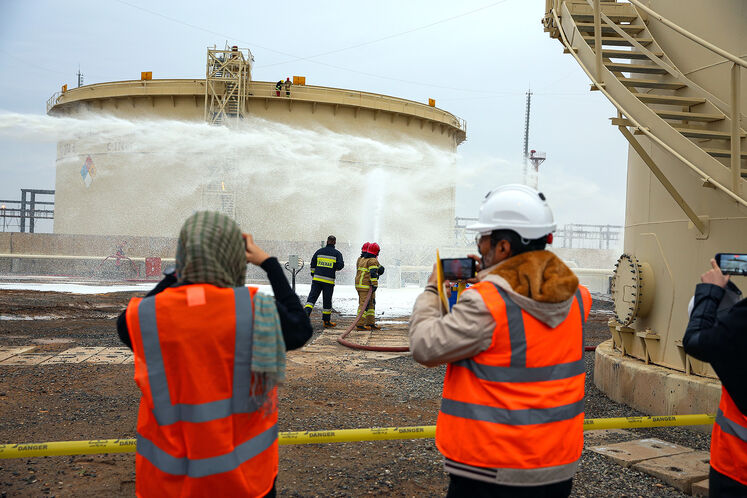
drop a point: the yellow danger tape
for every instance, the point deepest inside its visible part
(26, 450)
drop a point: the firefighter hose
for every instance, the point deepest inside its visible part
(364, 347)
(392, 349)
(99, 446)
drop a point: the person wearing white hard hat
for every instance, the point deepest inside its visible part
(512, 409)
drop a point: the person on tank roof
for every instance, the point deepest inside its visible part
(209, 356)
(512, 409)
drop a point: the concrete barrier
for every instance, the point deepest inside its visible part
(650, 388)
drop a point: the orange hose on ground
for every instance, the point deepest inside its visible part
(355, 345)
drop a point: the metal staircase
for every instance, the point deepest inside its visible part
(652, 96)
(227, 78)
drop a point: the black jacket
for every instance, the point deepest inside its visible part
(720, 338)
(293, 320)
(325, 263)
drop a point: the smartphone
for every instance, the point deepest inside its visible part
(731, 263)
(458, 268)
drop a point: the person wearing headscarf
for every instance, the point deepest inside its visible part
(209, 355)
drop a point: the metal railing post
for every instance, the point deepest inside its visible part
(736, 144)
(598, 39)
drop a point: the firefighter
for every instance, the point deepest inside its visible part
(278, 88)
(512, 409)
(287, 85)
(367, 278)
(325, 263)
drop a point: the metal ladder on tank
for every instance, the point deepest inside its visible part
(611, 42)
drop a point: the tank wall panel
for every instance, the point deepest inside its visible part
(658, 232)
(143, 193)
(721, 23)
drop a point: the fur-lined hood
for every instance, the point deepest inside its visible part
(539, 282)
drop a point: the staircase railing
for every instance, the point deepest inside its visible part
(598, 81)
(735, 80)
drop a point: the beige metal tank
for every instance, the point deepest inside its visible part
(675, 71)
(657, 231)
(140, 192)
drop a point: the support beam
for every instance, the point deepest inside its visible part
(598, 40)
(736, 144)
(699, 224)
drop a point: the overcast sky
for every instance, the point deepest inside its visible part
(476, 58)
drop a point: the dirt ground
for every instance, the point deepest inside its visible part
(328, 387)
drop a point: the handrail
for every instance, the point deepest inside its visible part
(52, 101)
(705, 177)
(735, 111)
(299, 92)
(687, 34)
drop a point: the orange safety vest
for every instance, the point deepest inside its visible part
(520, 403)
(199, 433)
(729, 440)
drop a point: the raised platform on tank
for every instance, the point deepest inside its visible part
(650, 388)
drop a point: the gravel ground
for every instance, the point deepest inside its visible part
(341, 390)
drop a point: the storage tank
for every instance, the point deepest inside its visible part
(133, 184)
(681, 106)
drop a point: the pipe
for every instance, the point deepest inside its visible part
(355, 345)
(590, 348)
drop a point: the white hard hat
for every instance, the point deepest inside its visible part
(515, 207)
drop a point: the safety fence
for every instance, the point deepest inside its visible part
(98, 446)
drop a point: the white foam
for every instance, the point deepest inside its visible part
(78, 288)
(389, 302)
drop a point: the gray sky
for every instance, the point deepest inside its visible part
(476, 58)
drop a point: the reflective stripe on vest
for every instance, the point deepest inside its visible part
(326, 261)
(324, 280)
(518, 371)
(207, 466)
(527, 416)
(240, 402)
(730, 427)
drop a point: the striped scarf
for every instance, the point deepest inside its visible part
(211, 250)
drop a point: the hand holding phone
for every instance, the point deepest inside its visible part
(732, 263)
(459, 268)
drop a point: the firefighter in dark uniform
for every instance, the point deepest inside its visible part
(324, 264)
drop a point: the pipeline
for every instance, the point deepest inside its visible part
(355, 345)
(99, 446)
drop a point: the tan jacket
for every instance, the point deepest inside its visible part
(367, 273)
(538, 281)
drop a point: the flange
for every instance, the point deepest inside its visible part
(627, 289)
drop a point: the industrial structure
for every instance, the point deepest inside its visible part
(679, 89)
(27, 210)
(117, 188)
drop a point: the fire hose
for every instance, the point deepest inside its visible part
(355, 345)
(391, 349)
